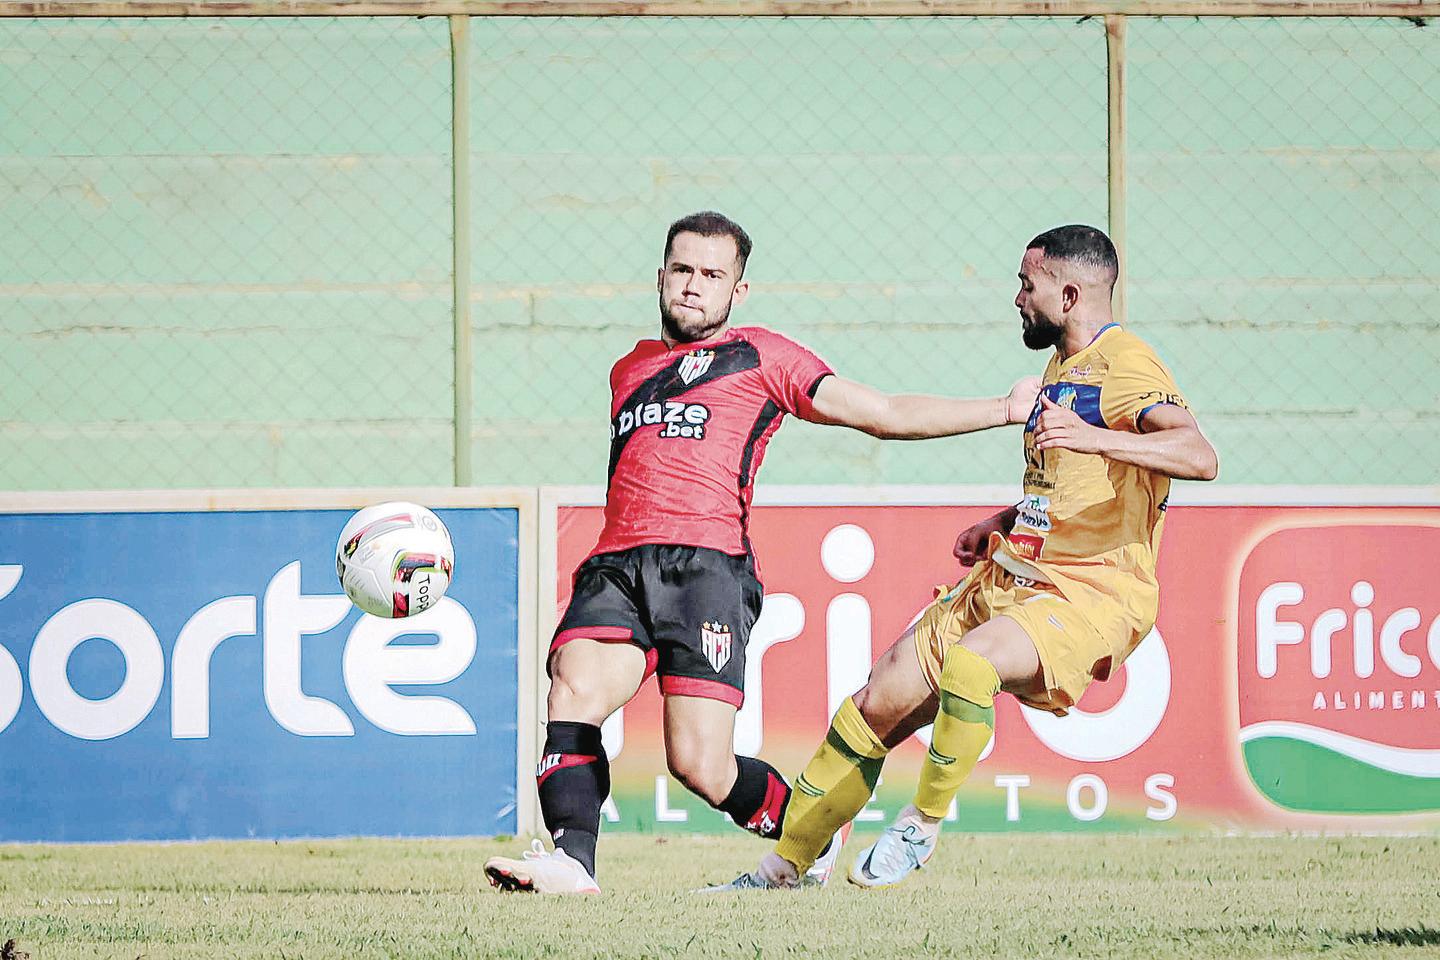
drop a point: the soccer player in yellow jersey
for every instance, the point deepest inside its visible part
(1063, 585)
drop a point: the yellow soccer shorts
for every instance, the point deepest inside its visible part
(1079, 639)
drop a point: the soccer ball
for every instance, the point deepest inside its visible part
(394, 559)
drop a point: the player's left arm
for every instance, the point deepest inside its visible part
(848, 403)
(1168, 440)
(1144, 420)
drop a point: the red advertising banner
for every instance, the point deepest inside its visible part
(1291, 683)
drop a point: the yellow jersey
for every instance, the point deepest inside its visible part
(1088, 525)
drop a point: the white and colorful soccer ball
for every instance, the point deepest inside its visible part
(394, 559)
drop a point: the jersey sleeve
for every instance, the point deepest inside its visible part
(616, 373)
(792, 374)
(1137, 380)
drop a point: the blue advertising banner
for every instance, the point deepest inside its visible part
(199, 674)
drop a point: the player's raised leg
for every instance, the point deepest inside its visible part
(590, 680)
(699, 734)
(997, 654)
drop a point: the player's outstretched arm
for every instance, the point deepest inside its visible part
(1170, 441)
(847, 403)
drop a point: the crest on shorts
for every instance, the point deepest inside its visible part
(694, 365)
(715, 642)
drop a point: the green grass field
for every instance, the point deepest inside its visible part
(983, 896)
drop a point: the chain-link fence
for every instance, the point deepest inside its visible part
(225, 252)
(1284, 248)
(226, 246)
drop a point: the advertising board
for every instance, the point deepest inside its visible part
(1292, 681)
(172, 670)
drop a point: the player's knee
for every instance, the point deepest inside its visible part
(573, 701)
(870, 704)
(708, 775)
(970, 675)
(1006, 647)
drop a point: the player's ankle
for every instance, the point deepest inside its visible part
(926, 822)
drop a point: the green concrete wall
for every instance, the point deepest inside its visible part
(225, 245)
(224, 252)
(1285, 239)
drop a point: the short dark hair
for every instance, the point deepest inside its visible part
(1087, 246)
(708, 223)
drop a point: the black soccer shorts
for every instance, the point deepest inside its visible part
(689, 608)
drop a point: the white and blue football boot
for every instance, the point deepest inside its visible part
(903, 848)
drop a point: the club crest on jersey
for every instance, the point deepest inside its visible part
(715, 643)
(694, 365)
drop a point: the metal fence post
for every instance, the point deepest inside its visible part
(460, 166)
(1115, 147)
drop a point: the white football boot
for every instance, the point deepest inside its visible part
(540, 871)
(903, 848)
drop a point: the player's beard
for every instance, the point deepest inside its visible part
(1039, 332)
(691, 327)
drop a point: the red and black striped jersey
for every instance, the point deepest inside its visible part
(688, 429)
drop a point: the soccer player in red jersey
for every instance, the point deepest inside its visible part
(671, 586)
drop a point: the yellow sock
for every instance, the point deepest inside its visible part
(968, 685)
(837, 783)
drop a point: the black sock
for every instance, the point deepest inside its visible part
(574, 780)
(758, 800)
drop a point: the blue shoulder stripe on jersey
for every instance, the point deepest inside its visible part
(1161, 403)
(1102, 330)
(1083, 398)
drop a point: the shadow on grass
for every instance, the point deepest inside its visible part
(1423, 936)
